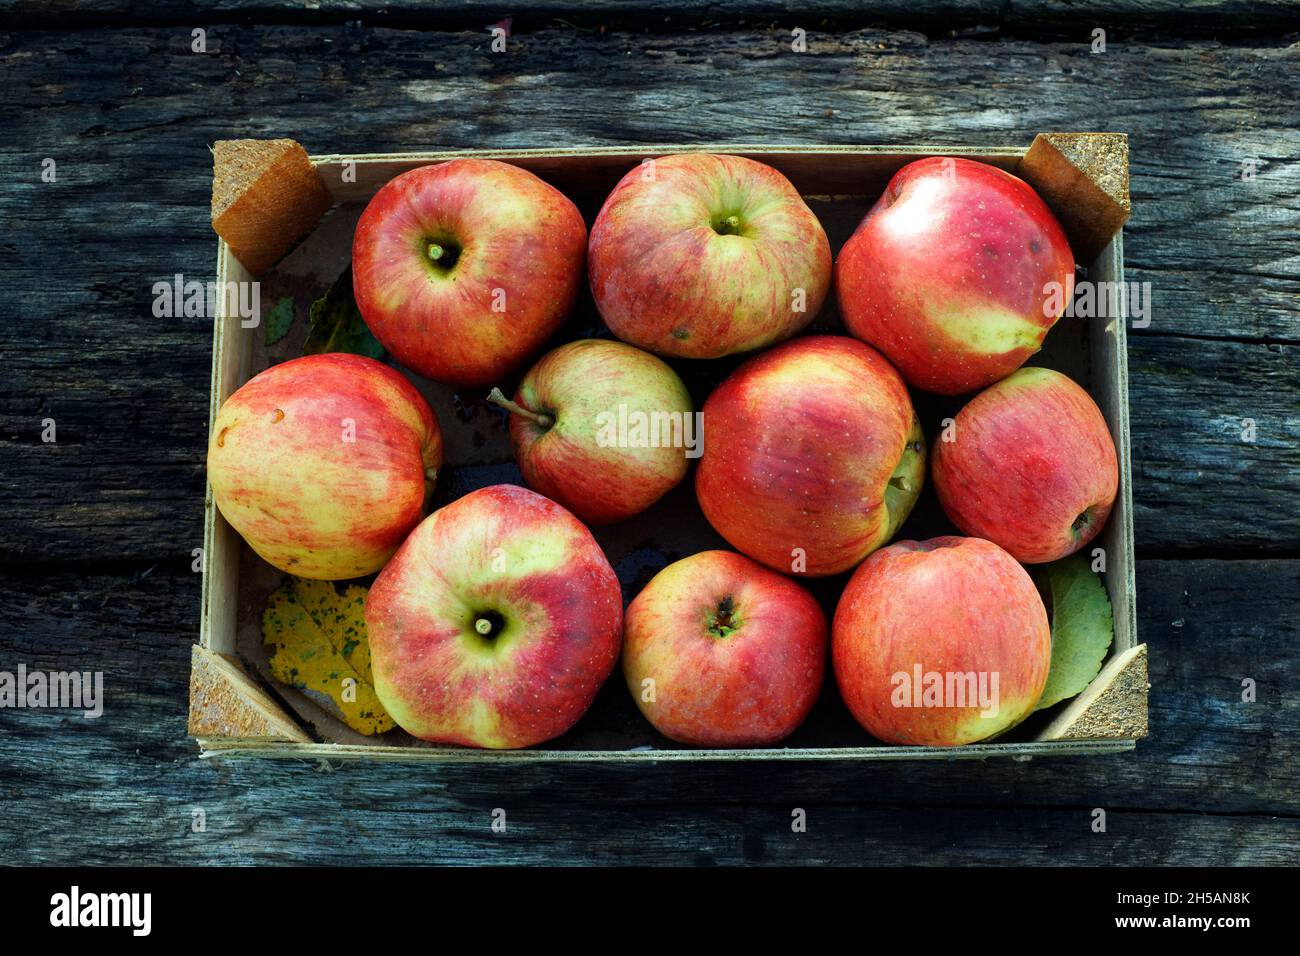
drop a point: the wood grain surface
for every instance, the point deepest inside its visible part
(98, 527)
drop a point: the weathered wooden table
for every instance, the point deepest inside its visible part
(98, 526)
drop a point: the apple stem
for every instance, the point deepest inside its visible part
(483, 626)
(729, 226)
(541, 419)
(435, 251)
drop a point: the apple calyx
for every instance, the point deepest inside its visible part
(724, 620)
(540, 419)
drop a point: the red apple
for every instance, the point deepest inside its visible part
(601, 427)
(721, 652)
(940, 642)
(812, 455)
(1030, 466)
(463, 269)
(496, 622)
(323, 464)
(957, 273)
(700, 256)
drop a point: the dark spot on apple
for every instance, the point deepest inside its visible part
(1082, 521)
(278, 416)
(1035, 246)
(681, 333)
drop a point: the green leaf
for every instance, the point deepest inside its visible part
(336, 323)
(1082, 628)
(278, 321)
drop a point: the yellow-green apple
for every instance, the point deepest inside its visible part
(699, 255)
(463, 269)
(496, 622)
(324, 463)
(940, 642)
(1029, 464)
(721, 652)
(957, 273)
(601, 427)
(812, 455)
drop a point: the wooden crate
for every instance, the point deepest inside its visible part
(1083, 177)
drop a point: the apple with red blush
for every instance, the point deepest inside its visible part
(464, 269)
(601, 427)
(956, 274)
(721, 652)
(940, 643)
(324, 463)
(813, 456)
(496, 622)
(1029, 463)
(698, 255)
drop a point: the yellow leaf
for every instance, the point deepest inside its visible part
(316, 638)
(340, 617)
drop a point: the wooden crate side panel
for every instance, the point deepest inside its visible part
(231, 358)
(819, 170)
(332, 752)
(1110, 389)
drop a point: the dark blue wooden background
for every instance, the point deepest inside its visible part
(97, 529)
